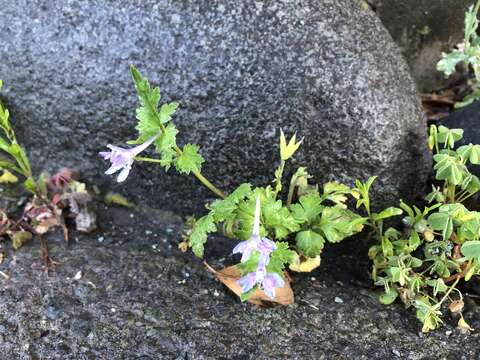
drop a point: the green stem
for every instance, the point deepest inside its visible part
(291, 189)
(448, 292)
(278, 178)
(197, 174)
(463, 198)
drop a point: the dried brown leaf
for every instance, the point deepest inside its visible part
(229, 276)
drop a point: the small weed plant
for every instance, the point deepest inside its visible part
(274, 232)
(468, 53)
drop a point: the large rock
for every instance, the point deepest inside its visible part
(424, 29)
(242, 70)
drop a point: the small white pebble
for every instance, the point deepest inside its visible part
(131, 216)
(154, 246)
(148, 232)
(187, 275)
(338, 300)
(113, 310)
(396, 352)
(169, 230)
(78, 275)
(313, 278)
(448, 332)
(216, 293)
(100, 239)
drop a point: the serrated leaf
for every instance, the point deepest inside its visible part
(281, 256)
(308, 209)
(189, 160)
(309, 243)
(147, 114)
(199, 234)
(167, 110)
(449, 61)
(278, 219)
(337, 223)
(222, 209)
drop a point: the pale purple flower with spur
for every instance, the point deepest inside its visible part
(122, 159)
(268, 282)
(264, 246)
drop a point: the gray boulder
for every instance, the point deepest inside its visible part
(242, 70)
(424, 29)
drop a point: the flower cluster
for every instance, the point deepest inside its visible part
(264, 247)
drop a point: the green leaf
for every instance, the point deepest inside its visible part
(387, 213)
(223, 209)
(336, 192)
(147, 114)
(309, 208)
(449, 168)
(277, 218)
(442, 221)
(281, 256)
(165, 145)
(429, 315)
(337, 223)
(470, 98)
(190, 160)
(470, 183)
(438, 286)
(309, 243)
(388, 296)
(166, 111)
(471, 23)
(471, 250)
(250, 265)
(199, 233)
(470, 152)
(449, 136)
(449, 61)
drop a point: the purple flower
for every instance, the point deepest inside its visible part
(263, 245)
(122, 159)
(247, 282)
(269, 282)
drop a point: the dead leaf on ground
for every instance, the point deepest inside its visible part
(229, 276)
(19, 238)
(436, 106)
(8, 178)
(463, 326)
(117, 199)
(305, 264)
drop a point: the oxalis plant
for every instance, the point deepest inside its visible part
(468, 53)
(275, 232)
(439, 247)
(53, 197)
